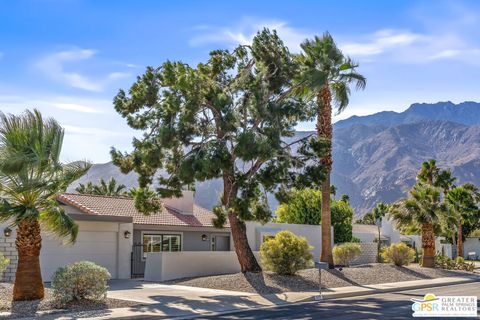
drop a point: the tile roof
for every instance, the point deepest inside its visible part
(124, 207)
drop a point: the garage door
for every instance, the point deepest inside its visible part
(96, 246)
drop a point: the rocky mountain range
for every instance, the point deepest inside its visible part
(377, 157)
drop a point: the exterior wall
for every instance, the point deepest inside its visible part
(191, 240)
(471, 245)
(313, 234)
(368, 255)
(164, 266)
(55, 253)
(8, 249)
(366, 237)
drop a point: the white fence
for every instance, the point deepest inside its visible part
(165, 266)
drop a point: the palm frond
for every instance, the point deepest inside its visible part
(57, 221)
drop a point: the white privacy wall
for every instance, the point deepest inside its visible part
(313, 234)
(164, 266)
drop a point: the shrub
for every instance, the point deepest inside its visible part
(355, 240)
(80, 280)
(399, 254)
(444, 262)
(4, 262)
(286, 253)
(344, 254)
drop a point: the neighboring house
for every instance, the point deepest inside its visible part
(112, 233)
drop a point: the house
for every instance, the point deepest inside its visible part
(112, 233)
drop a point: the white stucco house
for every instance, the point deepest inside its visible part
(112, 233)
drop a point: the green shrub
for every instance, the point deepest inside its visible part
(345, 253)
(355, 240)
(399, 254)
(286, 253)
(80, 280)
(4, 262)
(444, 262)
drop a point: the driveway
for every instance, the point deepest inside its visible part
(161, 300)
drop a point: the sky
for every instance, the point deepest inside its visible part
(69, 58)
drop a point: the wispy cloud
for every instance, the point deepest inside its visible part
(53, 65)
(92, 131)
(243, 33)
(401, 45)
(77, 107)
(381, 41)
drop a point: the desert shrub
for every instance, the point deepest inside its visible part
(355, 240)
(80, 280)
(4, 262)
(444, 262)
(399, 254)
(286, 253)
(345, 253)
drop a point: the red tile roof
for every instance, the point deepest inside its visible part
(124, 207)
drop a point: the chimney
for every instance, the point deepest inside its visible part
(183, 205)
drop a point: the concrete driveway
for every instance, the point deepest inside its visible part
(160, 300)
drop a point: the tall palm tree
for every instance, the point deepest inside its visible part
(445, 181)
(423, 209)
(104, 188)
(378, 213)
(326, 75)
(462, 204)
(429, 172)
(31, 176)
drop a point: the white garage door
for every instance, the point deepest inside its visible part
(96, 246)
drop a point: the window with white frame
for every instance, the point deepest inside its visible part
(162, 243)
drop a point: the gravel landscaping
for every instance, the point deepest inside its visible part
(29, 308)
(307, 280)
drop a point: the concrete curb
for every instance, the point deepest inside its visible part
(359, 291)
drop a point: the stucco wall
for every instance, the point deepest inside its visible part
(164, 266)
(471, 245)
(313, 234)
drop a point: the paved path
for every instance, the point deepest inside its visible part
(378, 306)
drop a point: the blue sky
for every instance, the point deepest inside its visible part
(69, 58)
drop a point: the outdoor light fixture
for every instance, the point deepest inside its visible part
(127, 234)
(7, 232)
(204, 237)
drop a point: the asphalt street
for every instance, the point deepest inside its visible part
(379, 306)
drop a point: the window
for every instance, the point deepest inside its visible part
(162, 242)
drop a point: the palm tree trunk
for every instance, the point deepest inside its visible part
(28, 278)
(428, 246)
(460, 241)
(324, 131)
(246, 259)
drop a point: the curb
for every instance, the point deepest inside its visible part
(327, 296)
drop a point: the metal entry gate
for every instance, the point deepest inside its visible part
(137, 261)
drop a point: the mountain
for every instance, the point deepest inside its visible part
(377, 157)
(465, 113)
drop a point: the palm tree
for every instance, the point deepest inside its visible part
(445, 180)
(326, 74)
(423, 209)
(110, 188)
(429, 172)
(85, 188)
(462, 204)
(378, 212)
(31, 176)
